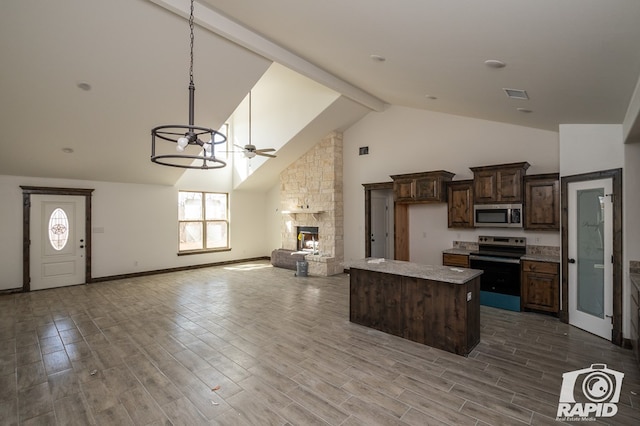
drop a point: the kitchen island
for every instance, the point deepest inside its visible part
(438, 306)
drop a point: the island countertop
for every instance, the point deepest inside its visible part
(416, 270)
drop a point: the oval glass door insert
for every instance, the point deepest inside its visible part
(58, 229)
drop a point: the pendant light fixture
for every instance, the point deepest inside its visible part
(189, 146)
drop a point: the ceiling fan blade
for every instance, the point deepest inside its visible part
(265, 155)
(238, 146)
(265, 150)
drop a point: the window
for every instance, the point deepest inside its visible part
(203, 221)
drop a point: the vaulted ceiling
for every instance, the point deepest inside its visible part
(578, 61)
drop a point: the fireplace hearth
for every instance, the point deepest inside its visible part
(307, 238)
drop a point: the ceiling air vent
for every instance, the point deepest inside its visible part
(516, 93)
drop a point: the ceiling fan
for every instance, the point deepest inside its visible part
(249, 150)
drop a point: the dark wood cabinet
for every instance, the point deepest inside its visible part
(540, 286)
(425, 187)
(401, 231)
(435, 313)
(499, 184)
(460, 204)
(542, 202)
(458, 260)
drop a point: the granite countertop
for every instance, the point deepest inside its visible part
(462, 251)
(542, 258)
(635, 280)
(415, 270)
(536, 257)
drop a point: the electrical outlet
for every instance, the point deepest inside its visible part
(468, 296)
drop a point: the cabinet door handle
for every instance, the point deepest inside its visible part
(572, 260)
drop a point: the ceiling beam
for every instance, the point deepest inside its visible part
(232, 31)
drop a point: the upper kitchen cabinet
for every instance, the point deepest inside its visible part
(542, 202)
(425, 187)
(460, 203)
(499, 184)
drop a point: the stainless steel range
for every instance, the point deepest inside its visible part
(499, 258)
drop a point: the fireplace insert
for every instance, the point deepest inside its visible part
(307, 238)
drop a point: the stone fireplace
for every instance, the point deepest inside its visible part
(311, 197)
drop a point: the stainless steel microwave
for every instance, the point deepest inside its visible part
(498, 215)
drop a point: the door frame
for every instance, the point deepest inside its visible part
(616, 176)
(27, 191)
(368, 187)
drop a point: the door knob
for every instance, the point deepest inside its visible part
(572, 260)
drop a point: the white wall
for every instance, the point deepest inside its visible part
(588, 148)
(274, 218)
(139, 224)
(631, 202)
(406, 140)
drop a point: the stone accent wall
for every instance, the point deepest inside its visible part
(314, 183)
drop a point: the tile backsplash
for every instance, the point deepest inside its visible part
(543, 250)
(531, 249)
(465, 245)
(634, 266)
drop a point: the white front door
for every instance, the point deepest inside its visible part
(57, 241)
(590, 218)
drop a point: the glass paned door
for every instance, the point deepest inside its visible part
(590, 253)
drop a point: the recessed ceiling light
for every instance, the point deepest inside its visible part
(67, 150)
(494, 63)
(378, 58)
(516, 93)
(431, 97)
(84, 86)
(525, 110)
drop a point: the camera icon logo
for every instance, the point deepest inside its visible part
(590, 392)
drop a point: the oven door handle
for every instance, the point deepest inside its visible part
(494, 259)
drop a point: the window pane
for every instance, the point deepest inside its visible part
(216, 234)
(190, 206)
(190, 236)
(216, 208)
(58, 229)
(590, 237)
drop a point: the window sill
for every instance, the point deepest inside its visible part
(188, 253)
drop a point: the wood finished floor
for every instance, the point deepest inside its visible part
(149, 351)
